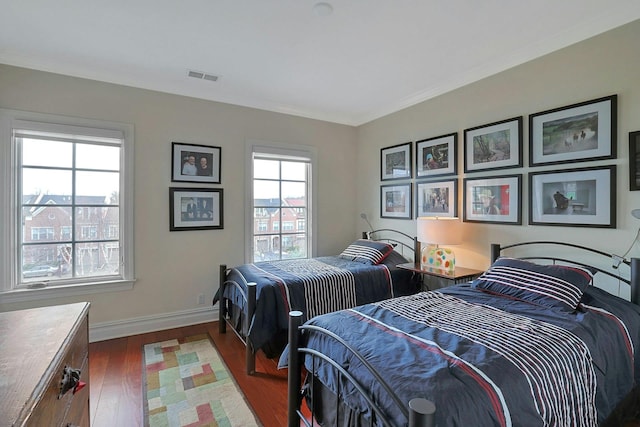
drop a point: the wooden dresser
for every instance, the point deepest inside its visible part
(36, 346)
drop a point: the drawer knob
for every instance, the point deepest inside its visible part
(70, 380)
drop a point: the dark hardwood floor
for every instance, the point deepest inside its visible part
(115, 368)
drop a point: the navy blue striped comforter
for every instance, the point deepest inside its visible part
(490, 361)
(313, 286)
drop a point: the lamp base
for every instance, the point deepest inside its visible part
(438, 258)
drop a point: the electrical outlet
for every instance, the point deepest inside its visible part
(201, 299)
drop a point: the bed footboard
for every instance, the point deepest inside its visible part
(419, 412)
(249, 298)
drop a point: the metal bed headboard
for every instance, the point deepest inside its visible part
(380, 235)
(634, 263)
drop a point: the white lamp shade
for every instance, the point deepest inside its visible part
(439, 230)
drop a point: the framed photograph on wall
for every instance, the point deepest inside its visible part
(493, 146)
(195, 209)
(497, 200)
(634, 160)
(436, 156)
(395, 201)
(573, 197)
(195, 163)
(437, 198)
(395, 162)
(578, 132)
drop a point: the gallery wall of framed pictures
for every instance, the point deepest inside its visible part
(580, 194)
(196, 208)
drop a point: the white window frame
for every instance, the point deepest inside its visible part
(10, 220)
(284, 150)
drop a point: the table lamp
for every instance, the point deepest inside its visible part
(435, 231)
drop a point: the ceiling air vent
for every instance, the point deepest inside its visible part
(203, 76)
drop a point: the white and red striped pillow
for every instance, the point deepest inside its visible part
(367, 251)
(546, 285)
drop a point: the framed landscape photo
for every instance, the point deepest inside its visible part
(578, 132)
(436, 156)
(573, 197)
(437, 198)
(497, 200)
(634, 160)
(195, 209)
(195, 163)
(395, 162)
(493, 146)
(395, 201)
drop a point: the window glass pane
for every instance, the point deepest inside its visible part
(294, 246)
(41, 262)
(266, 193)
(47, 223)
(97, 157)
(37, 152)
(294, 171)
(264, 220)
(45, 181)
(294, 190)
(266, 169)
(97, 259)
(97, 223)
(266, 247)
(101, 187)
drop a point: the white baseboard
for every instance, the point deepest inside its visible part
(157, 322)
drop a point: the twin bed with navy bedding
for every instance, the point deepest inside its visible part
(531, 342)
(255, 299)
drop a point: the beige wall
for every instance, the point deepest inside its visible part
(173, 268)
(605, 65)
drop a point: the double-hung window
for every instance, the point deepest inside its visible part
(68, 207)
(281, 197)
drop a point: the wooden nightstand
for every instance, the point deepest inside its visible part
(460, 275)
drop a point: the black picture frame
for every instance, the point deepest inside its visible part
(196, 209)
(437, 156)
(494, 199)
(585, 131)
(634, 160)
(496, 145)
(396, 162)
(437, 198)
(581, 197)
(187, 163)
(396, 201)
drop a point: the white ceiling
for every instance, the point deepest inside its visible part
(367, 59)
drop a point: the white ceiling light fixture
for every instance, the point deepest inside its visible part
(203, 76)
(322, 9)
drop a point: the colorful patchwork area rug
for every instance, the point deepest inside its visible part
(187, 385)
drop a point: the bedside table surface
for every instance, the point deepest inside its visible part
(459, 273)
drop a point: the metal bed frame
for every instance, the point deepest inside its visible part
(419, 412)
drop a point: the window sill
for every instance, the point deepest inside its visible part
(20, 295)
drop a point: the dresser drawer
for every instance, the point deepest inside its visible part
(78, 411)
(51, 411)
